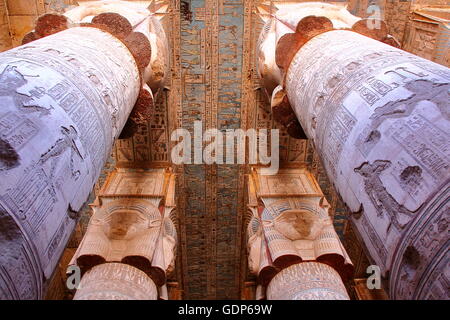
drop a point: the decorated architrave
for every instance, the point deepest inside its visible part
(379, 120)
(293, 248)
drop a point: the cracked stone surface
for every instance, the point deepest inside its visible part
(65, 98)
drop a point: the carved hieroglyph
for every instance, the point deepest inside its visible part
(307, 281)
(287, 17)
(116, 281)
(132, 223)
(290, 224)
(142, 20)
(64, 98)
(379, 118)
(288, 27)
(5, 38)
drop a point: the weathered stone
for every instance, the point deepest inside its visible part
(60, 115)
(143, 109)
(120, 26)
(379, 119)
(116, 281)
(50, 23)
(30, 37)
(292, 226)
(307, 281)
(140, 48)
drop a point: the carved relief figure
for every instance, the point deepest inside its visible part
(10, 82)
(421, 90)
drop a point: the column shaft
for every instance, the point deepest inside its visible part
(64, 99)
(5, 38)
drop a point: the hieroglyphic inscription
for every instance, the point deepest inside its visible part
(307, 281)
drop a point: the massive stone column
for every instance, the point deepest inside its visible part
(65, 96)
(5, 38)
(379, 119)
(293, 248)
(307, 281)
(131, 234)
(116, 281)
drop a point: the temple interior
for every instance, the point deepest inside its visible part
(224, 149)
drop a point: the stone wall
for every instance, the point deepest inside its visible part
(362, 8)
(415, 4)
(5, 39)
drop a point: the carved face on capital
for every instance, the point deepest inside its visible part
(298, 224)
(124, 225)
(11, 80)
